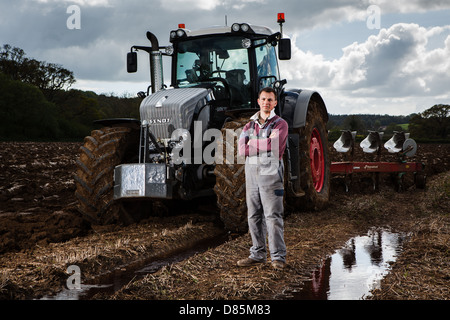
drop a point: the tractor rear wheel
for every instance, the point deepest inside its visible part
(230, 181)
(314, 159)
(102, 151)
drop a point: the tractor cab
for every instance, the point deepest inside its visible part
(234, 62)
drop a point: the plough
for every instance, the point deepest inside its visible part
(399, 144)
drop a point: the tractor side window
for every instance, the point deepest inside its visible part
(186, 66)
(267, 67)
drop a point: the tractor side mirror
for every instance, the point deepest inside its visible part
(284, 49)
(131, 62)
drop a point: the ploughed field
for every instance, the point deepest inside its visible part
(42, 233)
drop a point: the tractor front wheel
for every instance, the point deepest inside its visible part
(102, 151)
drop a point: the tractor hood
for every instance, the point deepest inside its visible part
(167, 110)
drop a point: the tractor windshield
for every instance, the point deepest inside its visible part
(223, 61)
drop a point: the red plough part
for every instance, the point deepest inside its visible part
(400, 144)
(358, 167)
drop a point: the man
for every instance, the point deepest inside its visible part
(262, 142)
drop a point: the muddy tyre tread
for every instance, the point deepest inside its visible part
(102, 151)
(313, 200)
(230, 184)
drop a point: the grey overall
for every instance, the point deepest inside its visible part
(264, 195)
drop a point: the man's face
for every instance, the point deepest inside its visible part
(267, 102)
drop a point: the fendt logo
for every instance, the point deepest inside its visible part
(159, 121)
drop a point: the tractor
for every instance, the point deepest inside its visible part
(183, 147)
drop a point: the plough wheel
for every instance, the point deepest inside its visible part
(314, 159)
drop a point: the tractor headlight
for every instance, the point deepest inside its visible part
(181, 33)
(235, 27)
(241, 27)
(245, 27)
(169, 50)
(246, 43)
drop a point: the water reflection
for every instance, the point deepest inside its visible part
(114, 281)
(352, 271)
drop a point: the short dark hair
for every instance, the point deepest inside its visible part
(269, 90)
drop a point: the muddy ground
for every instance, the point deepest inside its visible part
(42, 234)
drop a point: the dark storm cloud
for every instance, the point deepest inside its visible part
(97, 51)
(109, 28)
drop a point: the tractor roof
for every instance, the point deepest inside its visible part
(251, 30)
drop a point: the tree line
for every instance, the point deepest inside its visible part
(36, 103)
(48, 77)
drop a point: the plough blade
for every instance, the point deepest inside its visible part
(372, 142)
(400, 143)
(395, 144)
(345, 141)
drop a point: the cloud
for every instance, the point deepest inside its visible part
(392, 63)
(395, 67)
(82, 59)
(407, 6)
(311, 14)
(92, 3)
(189, 5)
(401, 61)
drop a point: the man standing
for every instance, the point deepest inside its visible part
(262, 142)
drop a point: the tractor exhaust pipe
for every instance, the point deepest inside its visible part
(156, 67)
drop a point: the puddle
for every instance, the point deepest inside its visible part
(349, 274)
(114, 281)
(354, 270)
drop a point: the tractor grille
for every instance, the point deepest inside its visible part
(168, 110)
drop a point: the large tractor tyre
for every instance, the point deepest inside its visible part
(230, 181)
(102, 151)
(314, 160)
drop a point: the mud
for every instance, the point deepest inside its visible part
(36, 195)
(42, 234)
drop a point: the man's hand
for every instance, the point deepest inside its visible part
(273, 134)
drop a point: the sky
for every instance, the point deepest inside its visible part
(362, 56)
